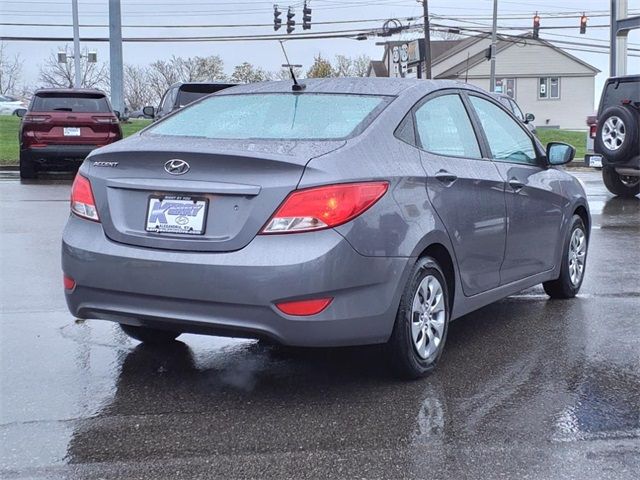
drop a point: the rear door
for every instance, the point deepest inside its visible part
(466, 190)
(533, 193)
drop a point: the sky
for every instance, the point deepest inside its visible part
(267, 54)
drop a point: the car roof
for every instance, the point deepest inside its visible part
(75, 91)
(349, 85)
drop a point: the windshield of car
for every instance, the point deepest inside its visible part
(274, 116)
(70, 102)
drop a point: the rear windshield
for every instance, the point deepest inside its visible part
(264, 116)
(70, 102)
(616, 92)
(190, 93)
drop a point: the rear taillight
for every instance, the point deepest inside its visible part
(110, 120)
(69, 283)
(35, 118)
(82, 202)
(592, 131)
(324, 207)
(303, 308)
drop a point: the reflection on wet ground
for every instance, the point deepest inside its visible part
(527, 388)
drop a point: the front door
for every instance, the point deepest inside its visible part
(533, 194)
(466, 191)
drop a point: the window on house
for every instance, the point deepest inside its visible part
(548, 87)
(506, 86)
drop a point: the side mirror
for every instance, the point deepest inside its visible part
(149, 111)
(21, 112)
(559, 153)
(529, 117)
(117, 114)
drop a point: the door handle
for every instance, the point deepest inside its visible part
(446, 177)
(515, 184)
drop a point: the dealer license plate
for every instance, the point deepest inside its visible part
(71, 131)
(178, 214)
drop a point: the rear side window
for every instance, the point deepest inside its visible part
(616, 92)
(68, 102)
(190, 93)
(444, 128)
(289, 116)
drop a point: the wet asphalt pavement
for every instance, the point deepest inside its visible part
(527, 387)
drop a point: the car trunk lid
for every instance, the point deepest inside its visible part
(230, 190)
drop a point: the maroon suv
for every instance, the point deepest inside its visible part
(62, 126)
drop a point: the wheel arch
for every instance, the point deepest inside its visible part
(582, 212)
(441, 254)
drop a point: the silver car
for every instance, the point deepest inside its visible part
(350, 212)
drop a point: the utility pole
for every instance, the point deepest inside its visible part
(494, 38)
(618, 53)
(427, 40)
(115, 56)
(76, 45)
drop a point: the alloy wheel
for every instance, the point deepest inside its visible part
(428, 315)
(613, 133)
(577, 255)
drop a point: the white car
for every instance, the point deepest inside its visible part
(9, 105)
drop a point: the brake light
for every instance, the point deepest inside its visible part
(592, 131)
(82, 202)
(324, 207)
(110, 120)
(69, 283)
(303, 308)
(35, 118)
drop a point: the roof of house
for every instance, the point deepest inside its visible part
(379, 68)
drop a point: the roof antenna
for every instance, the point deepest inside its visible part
(296, 87)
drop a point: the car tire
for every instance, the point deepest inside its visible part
(617, 133)
(573, 263)
(624, 186)
(27, 167)
(150, 335)
(408, 359)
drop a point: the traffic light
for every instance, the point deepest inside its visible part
(536, 26)
(277, 21)
(583, 24)
(306, 17)
(291, 23)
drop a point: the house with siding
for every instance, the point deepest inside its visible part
(557, 87)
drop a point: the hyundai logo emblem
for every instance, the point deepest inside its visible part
(176, 167)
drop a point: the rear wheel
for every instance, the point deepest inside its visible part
(622, 185)
(27, 167)
(574, 262)
(150, 335)
(420, 330)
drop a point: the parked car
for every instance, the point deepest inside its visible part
(10, 105)
(592, 159)
(62, 126)
(182, 94)
(355, 211)
(512, 106)
(617, 137)
(139, 113)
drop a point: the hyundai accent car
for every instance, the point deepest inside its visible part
(346, 212)
(62, 126)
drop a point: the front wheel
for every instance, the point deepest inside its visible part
(574, 262)
(149, 335)
(421, 325)
(621, 185)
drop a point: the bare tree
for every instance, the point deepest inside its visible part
(445, 35)
(285, 74)
(62, 75)
(10, 71)
(137, 90)
(360, 66)
(342, 66)
(163, 73)
(247, 73)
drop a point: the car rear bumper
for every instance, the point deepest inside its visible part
(631, 165)
(233, 293)
(58, 153)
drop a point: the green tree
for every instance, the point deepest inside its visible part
(321, 68)
(247, 73)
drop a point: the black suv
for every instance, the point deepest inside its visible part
(618, 135)
(182, 94)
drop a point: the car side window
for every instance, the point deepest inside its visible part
(516, 110)
(507, 139)
(444, 128)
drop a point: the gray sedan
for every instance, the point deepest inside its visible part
(349, 212)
